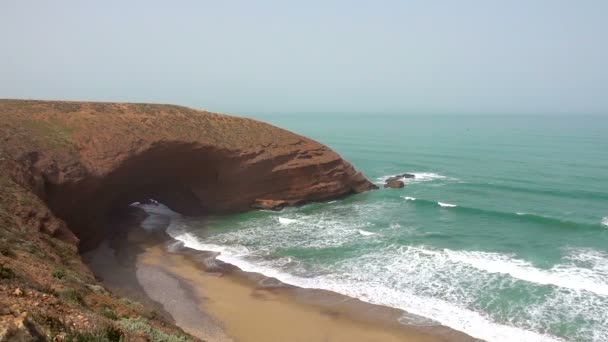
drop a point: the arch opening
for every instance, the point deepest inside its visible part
(177, 175)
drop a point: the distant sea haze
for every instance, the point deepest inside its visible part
(502, 233)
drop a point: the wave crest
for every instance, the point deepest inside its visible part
(284, 220)
(418, 177)
(366, 233)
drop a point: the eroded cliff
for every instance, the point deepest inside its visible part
(86, 159)
(65, 167)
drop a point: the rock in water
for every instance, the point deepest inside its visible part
(394, 183)
(401, 176)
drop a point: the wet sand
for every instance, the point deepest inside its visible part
(219, 302)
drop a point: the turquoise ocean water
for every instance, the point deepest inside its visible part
(503, 233)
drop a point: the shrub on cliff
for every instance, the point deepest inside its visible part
(6, 273)
(105, 334)
(5, 249)
(72, 296)
(109, 313)
(138, 326)
(58, 274)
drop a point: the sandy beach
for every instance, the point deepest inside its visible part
(219, 302)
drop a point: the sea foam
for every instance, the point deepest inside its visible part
(446, 205)
(418, 177)
(371, 291)
(562, 275)
(439, 284)
(284, 220)
(366, 233)
(605, 221)
(427, 176)
(159, 215)
(157, 209)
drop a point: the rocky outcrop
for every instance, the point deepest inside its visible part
(20, 329)
(394, 183)
(87, 160)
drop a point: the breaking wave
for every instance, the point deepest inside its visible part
(284, 220)
(366, 233)
(406, 278)
(418, 177)
(529, 217)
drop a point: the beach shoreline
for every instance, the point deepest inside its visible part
(216, 301)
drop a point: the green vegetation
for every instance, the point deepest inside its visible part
(145, 108)
(131, 303)
(72, 296)
(51, 322)
(6, 273)
(109, 313)
(46, 288)
(139, 326)
(35, 250)
(66, 107)
(101, 332)
(53, 132)
(97, 288)
(103, 335)
(102, 107)
(58, 273)
(5, 249)
(63, 249)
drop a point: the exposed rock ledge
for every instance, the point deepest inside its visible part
(86, 159)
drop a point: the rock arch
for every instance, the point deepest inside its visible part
(86, 159)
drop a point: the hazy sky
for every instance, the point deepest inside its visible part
(449, 56)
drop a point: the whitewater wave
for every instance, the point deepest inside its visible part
(446, 286)
(370, 290)
(159, 215)
(157, 209)
(605, 221)
(366, 233)
(539, 219)
(446, 205)
(408, 198)
(562, 275)
(418, 177)
(284, 220)
(427, 176)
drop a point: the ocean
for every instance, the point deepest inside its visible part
(502, 234)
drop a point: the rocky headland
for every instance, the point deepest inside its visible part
(66, 168)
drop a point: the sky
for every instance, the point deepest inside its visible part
(315, 56)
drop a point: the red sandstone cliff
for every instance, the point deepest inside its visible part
(86, 159)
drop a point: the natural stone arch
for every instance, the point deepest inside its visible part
(87, 159)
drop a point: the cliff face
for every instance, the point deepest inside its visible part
(65, 167)
(85, 160)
